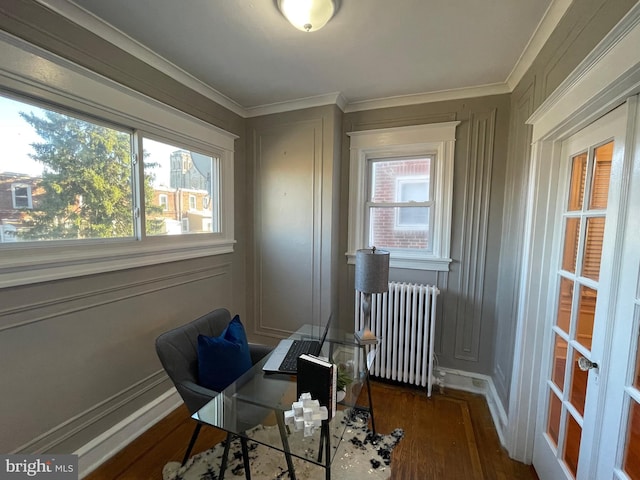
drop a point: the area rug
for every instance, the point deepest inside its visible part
(360, 455)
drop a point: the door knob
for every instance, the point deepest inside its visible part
(585, 364)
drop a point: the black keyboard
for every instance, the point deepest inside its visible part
(298, 347)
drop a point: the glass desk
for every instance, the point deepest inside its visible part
(258, 398)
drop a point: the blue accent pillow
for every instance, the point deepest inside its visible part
(221, 360)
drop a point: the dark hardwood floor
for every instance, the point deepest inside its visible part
(449, 436)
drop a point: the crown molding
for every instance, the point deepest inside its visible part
(548, 23)
(454, 94)
(87, 20)
(335, 98)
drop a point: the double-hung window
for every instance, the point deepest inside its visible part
(399, 207)
(401, 184)
(96, 177)
(21, 195)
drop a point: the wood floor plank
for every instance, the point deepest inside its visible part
(448, 436)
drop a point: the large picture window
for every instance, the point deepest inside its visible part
(400, 197)
(96, 177)
(80, 170)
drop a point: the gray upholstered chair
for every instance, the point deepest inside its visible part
(178, 353)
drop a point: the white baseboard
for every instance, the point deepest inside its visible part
(103, 447)
(482, 384)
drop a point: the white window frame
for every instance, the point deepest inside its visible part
(400, 181)
(36, 73)
(437, 139)
(29, 197)
(163, 201)
(193, 202)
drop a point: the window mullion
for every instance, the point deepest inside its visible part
(137, 166)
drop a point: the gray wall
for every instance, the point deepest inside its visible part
(583, 26)
(466, 313)
(291, 171)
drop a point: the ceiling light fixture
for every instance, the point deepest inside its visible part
(307, 15)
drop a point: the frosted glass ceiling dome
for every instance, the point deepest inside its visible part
(308, 15)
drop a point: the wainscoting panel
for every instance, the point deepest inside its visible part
(474, 234)
(82, 356)
(288, 230)
(512, 235)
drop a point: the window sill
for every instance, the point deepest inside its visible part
(34, 264)
(412, 262)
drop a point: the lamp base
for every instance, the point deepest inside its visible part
(365, 337)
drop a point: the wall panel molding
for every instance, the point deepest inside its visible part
(516, 180)
(49, 440)
(480, 153)
(557, 68)
(288, 183)
(83, 301)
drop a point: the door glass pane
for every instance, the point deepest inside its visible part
(593, 248)
(578, 176)
(572, 444)
(578, 391)
(553, 424)
(565, 300)
(571, 238)
(632, 446)
(586, 315)
(559, 362)
(601, 174)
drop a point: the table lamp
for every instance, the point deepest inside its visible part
(372, 276)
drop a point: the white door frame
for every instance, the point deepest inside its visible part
(604, 80)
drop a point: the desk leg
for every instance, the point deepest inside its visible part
(321, 446)
(327, 453)
(245, 458)
(225, 456)
(285, 444)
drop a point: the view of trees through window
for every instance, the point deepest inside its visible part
(64, 178)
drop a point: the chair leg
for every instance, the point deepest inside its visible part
(192, 442)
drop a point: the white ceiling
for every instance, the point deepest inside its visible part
(244, 54)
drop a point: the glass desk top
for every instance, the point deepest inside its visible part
(259, 399)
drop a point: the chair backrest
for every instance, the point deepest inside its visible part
(178, 353)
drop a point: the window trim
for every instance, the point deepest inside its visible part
(164, 204)
(29, 205)
(400, 182)
(35, 73)
(413, 140)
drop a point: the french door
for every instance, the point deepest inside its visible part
(588, 423)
